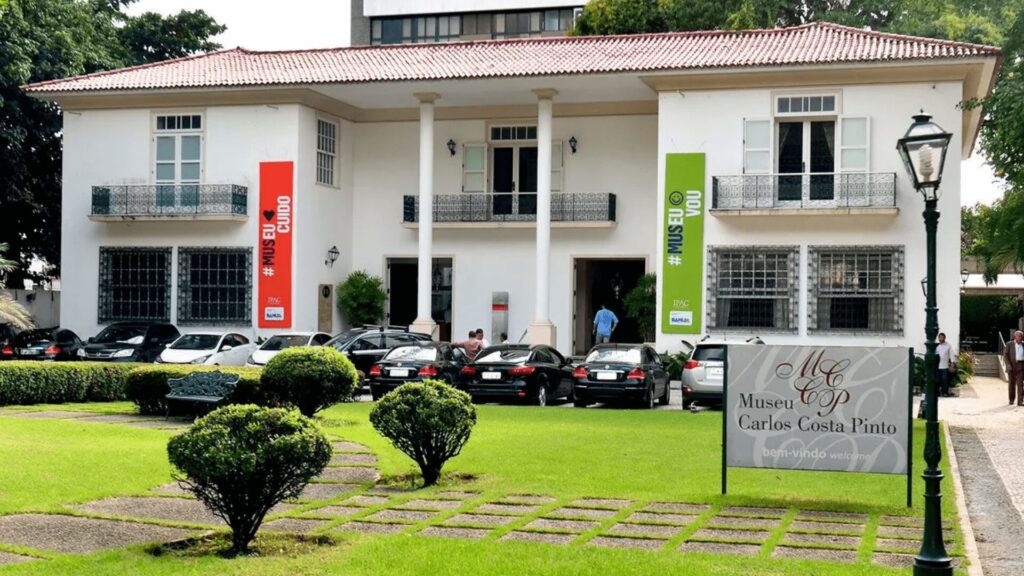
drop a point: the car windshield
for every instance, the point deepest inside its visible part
(33, 336)
(281, 342)
(714, 353)
(628, 356)
(413, 353)
(196, 342)
(121, 334)
(504, 355)
(343, 339)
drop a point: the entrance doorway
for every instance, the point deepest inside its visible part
(603, 281)
(402, 284)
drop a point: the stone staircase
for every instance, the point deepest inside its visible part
(987, 365)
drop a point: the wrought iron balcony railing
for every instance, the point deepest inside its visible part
(166, 201)
(788, 191)
(513, 207)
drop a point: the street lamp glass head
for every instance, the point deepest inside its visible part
(965, 275)
(923, 150)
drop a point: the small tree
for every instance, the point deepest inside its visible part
(309, 378)
(241, 461)
(361, 299)
(641, 305)
(428, 421)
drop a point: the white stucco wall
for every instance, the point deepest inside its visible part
(712, 122)
(402, 7)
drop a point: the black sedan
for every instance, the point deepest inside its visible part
(533, 374)
(414, 363)
(44, 344)
(621, 372)
(130, 342)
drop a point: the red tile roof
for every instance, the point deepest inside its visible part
(818, 43)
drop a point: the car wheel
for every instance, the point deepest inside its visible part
(542, 395)
(580, 403)
(666, 397)
(649, 399)
(686, 402)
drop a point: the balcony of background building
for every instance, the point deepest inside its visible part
(513, 210)
(169, 202)
(848, 193)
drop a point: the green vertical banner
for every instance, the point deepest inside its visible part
(682, 294)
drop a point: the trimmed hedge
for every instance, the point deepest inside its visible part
(32, 382)
(146, 386)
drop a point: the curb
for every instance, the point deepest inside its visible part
(970, 545)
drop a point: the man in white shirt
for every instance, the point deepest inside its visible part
(1014, 357)
(945, 352)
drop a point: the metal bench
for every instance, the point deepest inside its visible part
(204, 390)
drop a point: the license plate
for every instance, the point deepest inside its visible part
(607, 375)
(716, 371)
(399, 373)
(28, 352)
(490, 375)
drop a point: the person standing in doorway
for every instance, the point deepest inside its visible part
(1014, 356)
(604, 324)
(945, 352)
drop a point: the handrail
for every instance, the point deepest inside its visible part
(804, 190)
(169, 200)
(1003, 368)
(513, 207)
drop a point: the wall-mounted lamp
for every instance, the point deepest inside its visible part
(451, 147)
(332, 256)
(965, 275)
(573, 142)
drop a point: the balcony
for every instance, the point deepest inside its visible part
(476, 210)
(848, 193)
(169, 202)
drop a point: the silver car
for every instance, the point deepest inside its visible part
(704, 371)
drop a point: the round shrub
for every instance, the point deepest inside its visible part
(147, 386)
(428, 421)
(243, 460)
(309, 378)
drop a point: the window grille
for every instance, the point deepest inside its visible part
(215, 286)
(135, 284)
(326, 151)
(858, 289)
(751, 287)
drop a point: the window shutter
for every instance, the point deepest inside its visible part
(757, 146)
(854, 139)
(474, 167)
(556, 166)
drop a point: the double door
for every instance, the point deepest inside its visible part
(806, 150)
(514, 177)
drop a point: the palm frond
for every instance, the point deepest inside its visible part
(14, 313)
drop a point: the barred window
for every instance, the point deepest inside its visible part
(215, 286)
(856, 288)
(753, 288)
(135, 284)
(326, 151)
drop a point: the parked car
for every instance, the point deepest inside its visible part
(704, 372)
(534, 374)
(273, 346)
(367, 345)
(129, 342)
(208, 348)
(621, 372)
(7, 334)
(414, 363)
(46, 344)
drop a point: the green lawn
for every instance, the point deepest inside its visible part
(562, 452)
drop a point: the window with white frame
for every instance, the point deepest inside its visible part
(326, 151)
(178, 159)
(215, 286)
(856, 289)
(753, 287)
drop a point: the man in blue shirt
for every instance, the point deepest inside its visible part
(604, 324)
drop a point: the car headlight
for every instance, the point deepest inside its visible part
(201, 359)
(124, 353)
(81, 352)
(250, 360)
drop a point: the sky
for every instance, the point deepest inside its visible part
(296, 24)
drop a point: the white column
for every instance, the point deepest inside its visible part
(542, 330)
(424, 321)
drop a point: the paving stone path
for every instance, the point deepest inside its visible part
(346, 498)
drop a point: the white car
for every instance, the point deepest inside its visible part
(273, 346)
(208, 348)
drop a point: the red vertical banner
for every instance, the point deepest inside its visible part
(277, 217)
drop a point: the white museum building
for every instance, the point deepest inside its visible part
(518, 184)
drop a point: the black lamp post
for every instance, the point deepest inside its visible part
(923, 149)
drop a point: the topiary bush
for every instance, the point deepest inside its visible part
(241, 461)
(30, 382)
(309, 378)
(361, 298)
(147, 386)
(428, 421)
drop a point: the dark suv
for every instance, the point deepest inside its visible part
(130, 342)
(367, 345)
